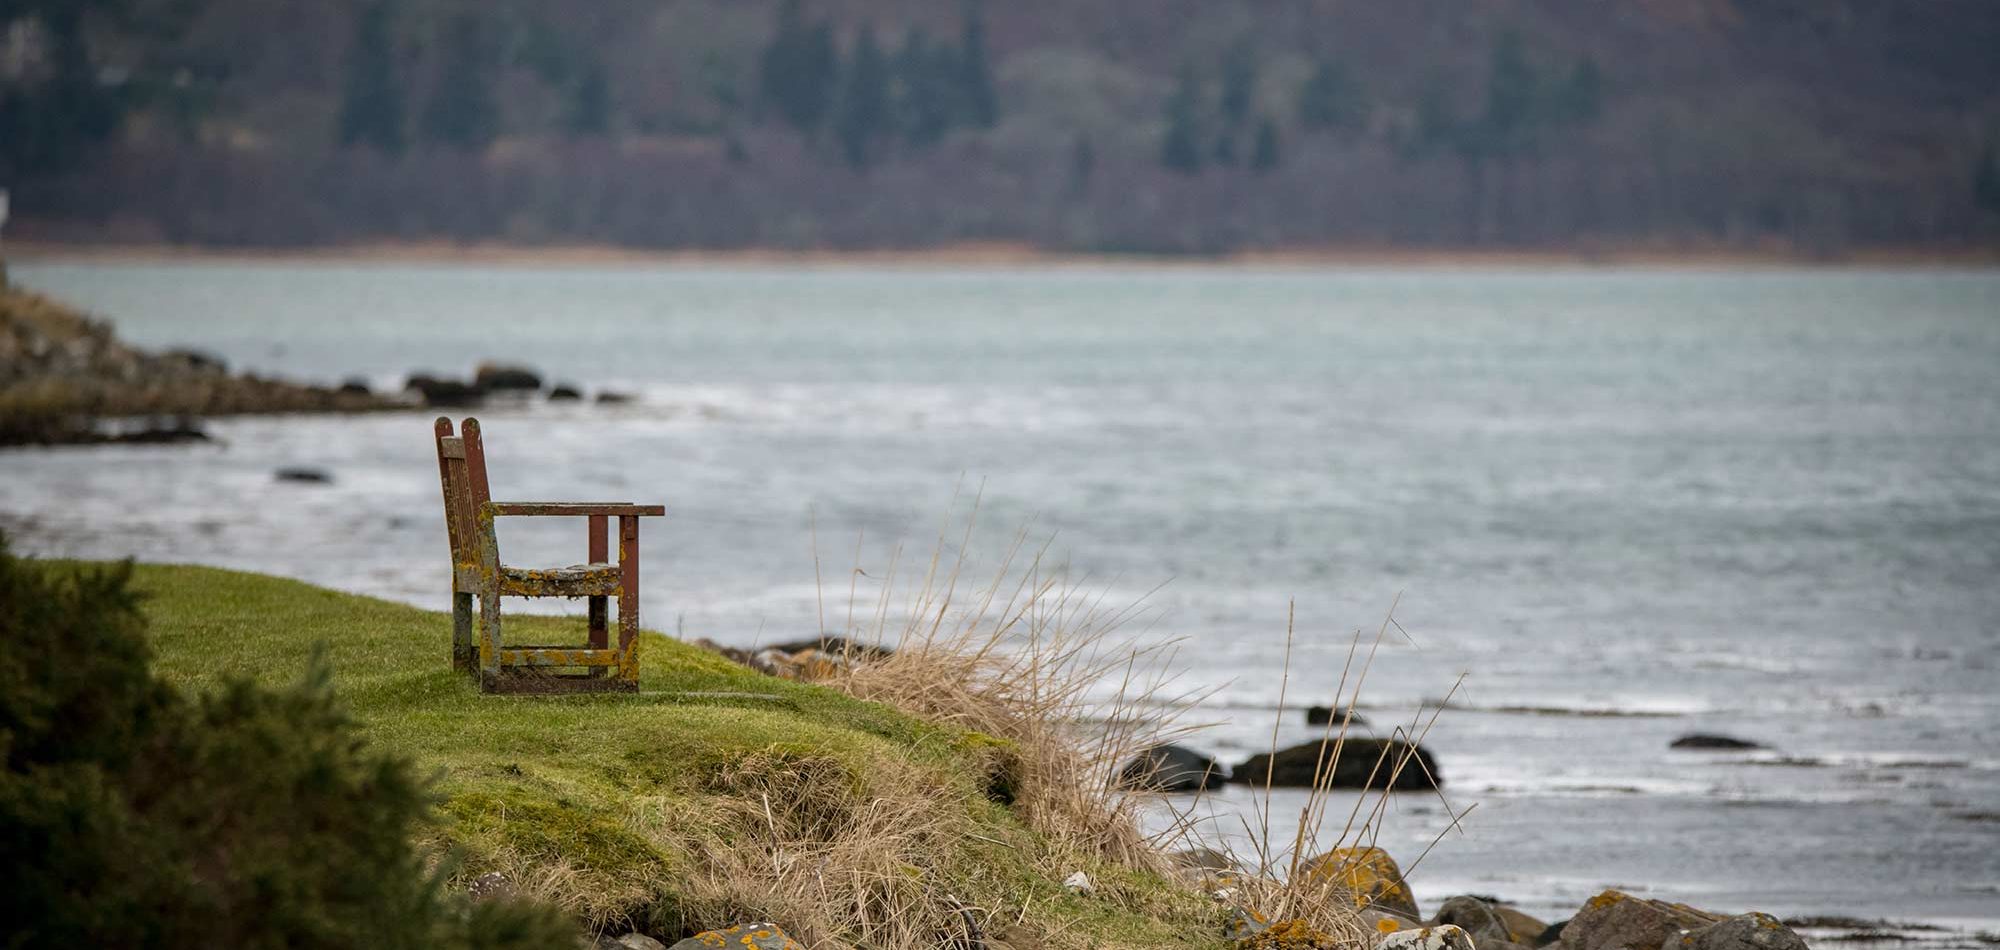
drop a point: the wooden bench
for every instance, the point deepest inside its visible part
(476, 569)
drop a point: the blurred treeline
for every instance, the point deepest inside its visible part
(1140, 125)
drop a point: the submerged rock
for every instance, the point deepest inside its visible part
(608, 397)
(1170, 768)
(1370, 875)
(304, 475)
(1705, 740)
(1363, 763)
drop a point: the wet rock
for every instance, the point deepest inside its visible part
(1369, 875)
(1440, 937)
(1288, 935)
(355, 386)
(564, 392)
(1742, 932)
(1363, 763)
(1614, 920)
(1705, 740)
(637, 941)
(752, 936)
(305, 476)
(607, 397)
(1330, 715)
(506, 376)
(1170, 768)
(445, 393)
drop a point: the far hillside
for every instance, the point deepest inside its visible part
(1153, 126)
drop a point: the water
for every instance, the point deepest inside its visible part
(1759, 503)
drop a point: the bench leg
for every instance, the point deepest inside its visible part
(489, 641)
(464, 655)
(628, 599)
(600, 636)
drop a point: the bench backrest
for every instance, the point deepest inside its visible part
(462, 470)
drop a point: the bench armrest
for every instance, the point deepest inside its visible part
(607, 508)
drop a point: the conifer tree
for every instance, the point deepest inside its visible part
(1986, 180)
(922, 89)
(1330, 100)
(371, 108)
(797, 72)
(1264, 153)
(1239, 86)
(862, 115)
(1180, 148)
(461, 112)
(590, 105)
(981, 105)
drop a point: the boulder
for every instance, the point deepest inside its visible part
(438, 391)
(1742, 932)
(1614, 920)
(1170, 768)
(1333, 715)
(637, 941)
(1552, 934)
(564, 392)
(1490, 921)
(1476, 917)
(355, 386)
(749, 936)
(1440, 937)
(1411, 766)
(1369, 875)
(504, 376)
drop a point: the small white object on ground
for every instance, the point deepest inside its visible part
(1078, 882)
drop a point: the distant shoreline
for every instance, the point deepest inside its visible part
(999, 255)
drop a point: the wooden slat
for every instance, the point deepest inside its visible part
(556, 656)
(612, 508)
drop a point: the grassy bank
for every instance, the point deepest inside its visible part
(714, 796)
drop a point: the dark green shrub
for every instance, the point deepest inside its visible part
(131, 815)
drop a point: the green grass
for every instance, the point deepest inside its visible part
(616, 805)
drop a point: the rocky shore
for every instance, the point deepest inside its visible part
(66, 378)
